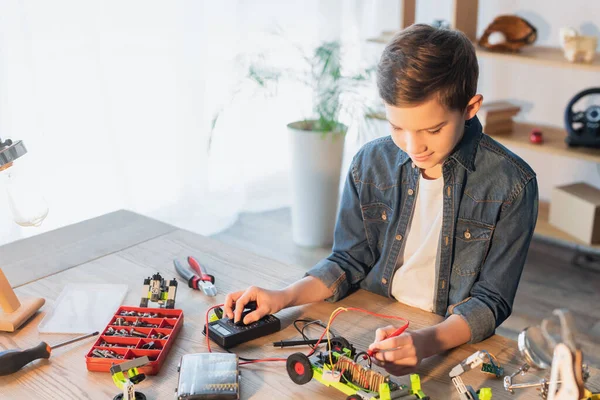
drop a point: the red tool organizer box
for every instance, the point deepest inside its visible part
(169, 322)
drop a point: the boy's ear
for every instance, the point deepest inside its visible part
(473, 106)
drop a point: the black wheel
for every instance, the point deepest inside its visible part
(339, 343)
(299, 368)
(138, 396)
(354, 397)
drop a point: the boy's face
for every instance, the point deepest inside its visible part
(428, 132)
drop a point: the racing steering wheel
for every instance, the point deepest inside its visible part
(589, 133)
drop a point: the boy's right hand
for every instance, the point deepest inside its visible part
(267, 302)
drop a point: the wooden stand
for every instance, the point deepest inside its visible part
(14, 312)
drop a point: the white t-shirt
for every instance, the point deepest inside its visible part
(414, 281)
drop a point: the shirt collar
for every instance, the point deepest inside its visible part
(465, 151)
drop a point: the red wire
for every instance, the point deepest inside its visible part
(338, 312)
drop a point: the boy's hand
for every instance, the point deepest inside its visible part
(267, 301)
(398, 355)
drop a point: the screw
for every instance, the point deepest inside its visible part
(98, 353)
(166, 337)
(110, 332)
(136, 333)
(148, 346)
(123, 332)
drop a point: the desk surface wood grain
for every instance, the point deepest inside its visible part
(139, 247)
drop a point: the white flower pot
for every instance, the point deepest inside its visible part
(315, 174)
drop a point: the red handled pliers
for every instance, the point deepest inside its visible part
(195, 277)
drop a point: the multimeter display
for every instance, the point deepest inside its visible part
(227, 334)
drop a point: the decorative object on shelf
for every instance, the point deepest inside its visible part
(583, 127)
(578, 48)
(496, 117)
(508, 33)
(536, 136)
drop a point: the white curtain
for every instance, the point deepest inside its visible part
(114, 101)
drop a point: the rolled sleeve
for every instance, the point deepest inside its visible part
(333, 276)
(351, 255)
(492, 296)
(478, 316)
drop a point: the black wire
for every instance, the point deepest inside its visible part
(307, 323)
(242, 358)
(356, 360)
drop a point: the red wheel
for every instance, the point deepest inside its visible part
(299, 368)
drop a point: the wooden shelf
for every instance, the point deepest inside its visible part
(549, 56)
(554, 142)
(544, 230)
(539, 55)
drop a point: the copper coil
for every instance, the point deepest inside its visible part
(360, 375)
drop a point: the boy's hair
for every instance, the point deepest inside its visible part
(421, 61)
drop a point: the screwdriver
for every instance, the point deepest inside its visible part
(13, 360)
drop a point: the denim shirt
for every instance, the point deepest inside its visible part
(490, 210)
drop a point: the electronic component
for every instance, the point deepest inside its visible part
(208, 376)
(492, 369)
(227, 334)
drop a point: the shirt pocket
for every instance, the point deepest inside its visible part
(377, 217)
(471, 246)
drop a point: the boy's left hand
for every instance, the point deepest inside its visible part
(399, 355)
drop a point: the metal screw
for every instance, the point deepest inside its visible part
(166, 337)
(148, 346)
(110, 332)
(138, 334)
(97, 353)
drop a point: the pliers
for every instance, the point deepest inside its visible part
(195, 277)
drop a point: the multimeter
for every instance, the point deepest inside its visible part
(227, 334)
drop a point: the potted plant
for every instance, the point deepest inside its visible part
(317, 140)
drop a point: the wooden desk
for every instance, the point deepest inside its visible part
(126, 247)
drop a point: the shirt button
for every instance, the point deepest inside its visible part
(384, 281)
(467, 234)
(410, 192)
(413, 165)
(398, 237)
(383, 216)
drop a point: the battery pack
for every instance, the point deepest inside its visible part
(208, 376)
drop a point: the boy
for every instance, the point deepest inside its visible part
(437, 215)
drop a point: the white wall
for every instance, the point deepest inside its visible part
(542, 91)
